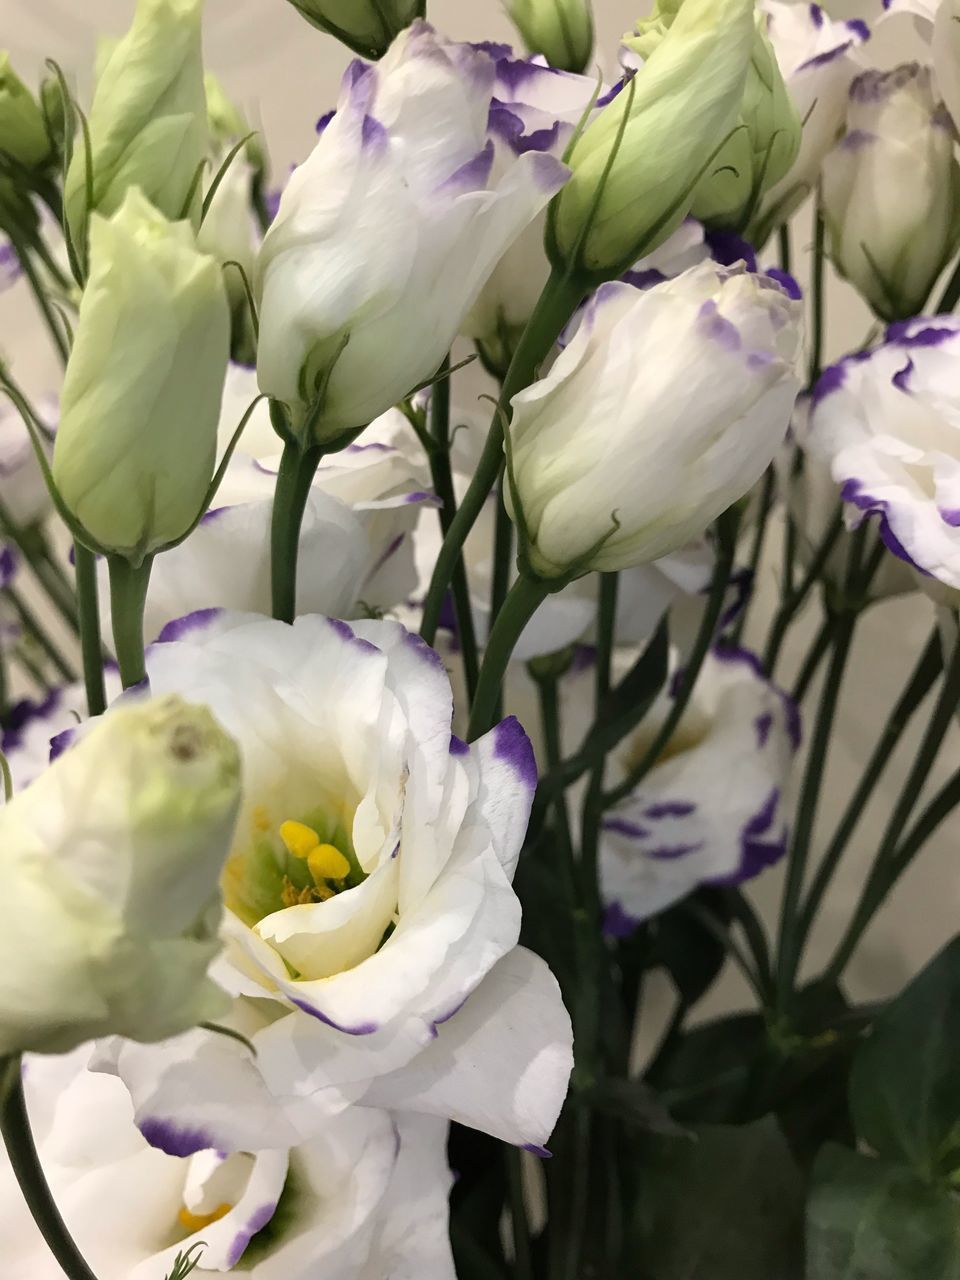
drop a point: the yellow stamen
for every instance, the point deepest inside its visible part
(300, 840)
(326, 862)
(197, 1221)
(260, 818)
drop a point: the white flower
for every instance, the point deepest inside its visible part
(356, 542)
(387, 233)
(899, 139)
(108, 881)
(664, 409)
(818, 61)
(888, 424)
(812, 498)
(535, 109)
(936, 21)
(365, 1198)
(685, 824)
(370, 911)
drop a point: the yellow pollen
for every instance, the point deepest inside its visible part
(326, 862)
(197, 1221)
(260, 818)
(300, 840)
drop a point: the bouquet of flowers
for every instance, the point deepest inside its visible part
(370, 747)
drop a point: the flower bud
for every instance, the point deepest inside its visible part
(890, 190)
(148, 121)
(368, 27)
(386, 234)
(136, 445)
(228, 125)
(761, 151)
(23, 132)
(664, 409)
(109, 879)
(637, 166)
(562, 30)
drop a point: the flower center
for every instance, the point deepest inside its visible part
(197, 1221)
(289, 863)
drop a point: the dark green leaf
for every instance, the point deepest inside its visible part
(905, 1083)
(710, 1073)
(871, 1220)
(723, 1204)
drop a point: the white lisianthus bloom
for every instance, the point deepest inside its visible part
(899, 138)
(386, 234)
(818, 60)
(685, 825)
(137, 440)
(535, 109)
(109, 881)
(371, 921)
(936, 22)
(148, 119)
(356, 541)
(664, 409)
(812, 498)
(888, 424)
(365, 1198)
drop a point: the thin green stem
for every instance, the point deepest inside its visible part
(794, 600)
(128, 597)
(557, 304)
(921, 682)
(713, 926)
(298, 466)
(525, 597)
(91, 645)
(789, 937)
(523, 1266)
(815, 655)
(727, 527)
(50, 318)
(939, 808)
(34, 628)
(25, 1162)
(885, 870)
(593, 803)
(756, 550)
(441, 473)
(33, 543)
(817, 295)
(786, 256)
(502, 552)
(549, 704)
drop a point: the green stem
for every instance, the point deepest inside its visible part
(557, 303)
(518, 1216)
(441, 473)
(789, 934)
(593, 803)
(951, 293)
(128, 596)
(525, 597)
(25, 1162)
(794, 600)
(90, 641)
(34, 629)
(756, 550)
(817, 296)
(297, 468)
(502, 552)
(939, 808)
(708, 921)
(32, 542)
(885, 871)
(920, 684)
(815, 655)
(50, 317)
(727, 527)
(786, 256)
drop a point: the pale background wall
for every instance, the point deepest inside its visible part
(285, 74)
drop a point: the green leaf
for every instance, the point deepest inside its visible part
(905, 1083)
(723, 1204)
(709, 1075)
(871, 1220)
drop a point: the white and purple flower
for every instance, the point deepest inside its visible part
(387, 233)
(887, 422)
(371, 925)
(366, 1197)
(685, 824)
(818, 60)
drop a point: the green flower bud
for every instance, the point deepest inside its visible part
(562, 30)
(23, 132)
(137, 439)
(637, 165)
(758, 155)
(148, 121)
(228, 125)
(110, 866)
(368, 27)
